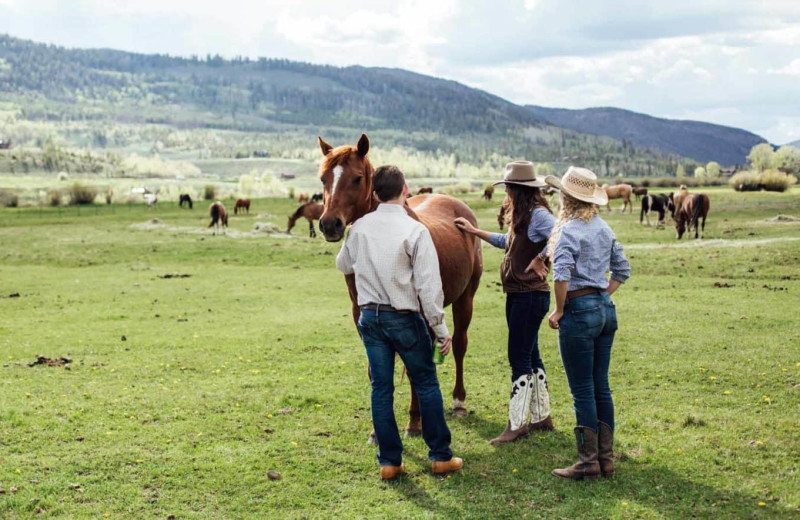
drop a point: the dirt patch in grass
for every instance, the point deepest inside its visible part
(784, 219)
(260, 229)
(51, 362)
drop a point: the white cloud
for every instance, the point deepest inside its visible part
(792, 69)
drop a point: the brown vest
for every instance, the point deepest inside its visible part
(520, 251)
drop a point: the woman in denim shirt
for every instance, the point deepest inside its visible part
(527, 298)
(582, 249)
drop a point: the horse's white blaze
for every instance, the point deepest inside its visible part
(337, 172)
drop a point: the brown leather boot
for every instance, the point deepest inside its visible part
(540, 402)
(392, 472)
(447, 466)
(587, 466)
(517, 427)
(605, 449)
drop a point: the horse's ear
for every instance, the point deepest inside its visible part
(363, 145)
(325, 147)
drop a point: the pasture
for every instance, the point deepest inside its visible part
(200, 363)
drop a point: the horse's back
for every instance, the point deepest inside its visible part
(460, 259)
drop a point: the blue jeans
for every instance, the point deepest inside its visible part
(386, 334)
(524, 313)
(585, 335)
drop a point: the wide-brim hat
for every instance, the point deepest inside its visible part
(579, 183)
(522, 173)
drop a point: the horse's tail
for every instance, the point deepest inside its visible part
(645, 207)
(214, 214)
(698, 208)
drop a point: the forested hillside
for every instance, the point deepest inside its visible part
(700, 141)
(293, 102)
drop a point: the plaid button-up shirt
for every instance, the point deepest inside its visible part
(395, 263)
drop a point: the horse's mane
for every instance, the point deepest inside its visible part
(299, 212)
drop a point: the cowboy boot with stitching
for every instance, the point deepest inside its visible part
(540, 402)
(516, 428)
(605, 449)
(587, 466)
(442, 467)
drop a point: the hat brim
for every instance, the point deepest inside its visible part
(537, 183)
(598, 197)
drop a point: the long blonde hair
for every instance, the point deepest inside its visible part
(571, 209)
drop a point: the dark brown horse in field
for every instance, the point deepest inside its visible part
(311, 211)
(346, 175)
(243, 205)
(619, 191)
(488, 192)
(694, 206)
(219, 217)
(424, 189)
(638, 192)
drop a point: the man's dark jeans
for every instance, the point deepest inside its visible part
(384, 334)
(585, 335)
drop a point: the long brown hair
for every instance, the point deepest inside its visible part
(523, 200)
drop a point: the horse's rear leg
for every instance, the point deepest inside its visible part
(414, 426)
(462, 317)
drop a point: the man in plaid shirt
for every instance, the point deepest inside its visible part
(396, 270)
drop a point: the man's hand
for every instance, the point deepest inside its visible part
(465, 225)
(554, 318)
(538, 266)
(444, 344)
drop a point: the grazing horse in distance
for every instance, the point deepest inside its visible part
(346, 174)
(488, 192)
(619, 191)
(675, 199)
(694, 206)
(639, 192)
(241, 204)
(317, 197)
(185, 199)
(311, 211)
(424, 189)
(657, 203)
(302, 198)
(219, 217)
(151, 199)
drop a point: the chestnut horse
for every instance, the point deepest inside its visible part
(311, 211)
(346, 175)
(693, 207)
(619, 191)
(243, 204)
(219, 217)
(488, 192)
(302, 197)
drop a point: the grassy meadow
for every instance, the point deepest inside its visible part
(184, 391)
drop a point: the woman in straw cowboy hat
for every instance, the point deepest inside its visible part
(527, 297)
(582, 249)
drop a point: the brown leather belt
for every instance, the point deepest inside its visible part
(577, 293)
(380, 307)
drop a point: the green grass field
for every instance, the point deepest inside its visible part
(184, 392)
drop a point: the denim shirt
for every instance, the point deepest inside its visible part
(540, 227)
(585, 251)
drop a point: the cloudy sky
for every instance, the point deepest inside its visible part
(730, 62)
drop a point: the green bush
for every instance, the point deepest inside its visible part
(9, 199)
(209, 192)
(291, 192)
(54, 197)
(81, 194)
(773, 180)
(745, 181)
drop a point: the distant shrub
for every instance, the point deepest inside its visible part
(745, 181)
(645, 183)
(209, 192)
(453, 189)
(54, 197)
(773, 180)
(109, 195)
(62, 176)
(291, 192)
(81, 194)
(8, 199)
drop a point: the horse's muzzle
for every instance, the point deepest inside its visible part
(332, 229)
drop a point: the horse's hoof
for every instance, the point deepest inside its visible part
(372, 439)
(460, 412)
(413, 433)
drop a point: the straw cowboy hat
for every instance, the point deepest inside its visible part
(522, 173)
(581, 184)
